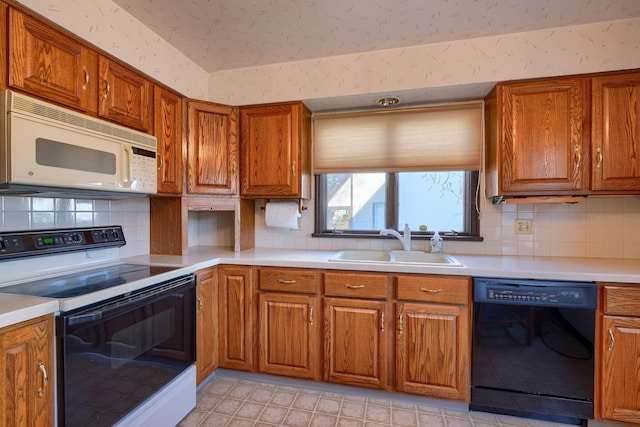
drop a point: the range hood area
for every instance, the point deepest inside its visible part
(50, 151)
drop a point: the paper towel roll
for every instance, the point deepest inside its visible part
(282, 214)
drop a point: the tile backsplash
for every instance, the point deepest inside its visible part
(601, 227)
(34, 213)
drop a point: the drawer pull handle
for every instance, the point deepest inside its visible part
(45, 378)
(400, 323)
(350, 286)
(612, 340)
(431, 291)
(382, 321)
(286, 282)
(199, 303)
(311, 316)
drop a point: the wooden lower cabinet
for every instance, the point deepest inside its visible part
(26, 364)
(236, 317)
(206, 323)
(289, 335)
(432, 354)
(433, 338)
(355, 342)
(618, 364)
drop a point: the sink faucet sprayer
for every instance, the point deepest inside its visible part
(405, 238)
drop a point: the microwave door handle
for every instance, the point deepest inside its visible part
(127, 166)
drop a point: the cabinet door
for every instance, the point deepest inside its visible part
(51, 65)
(433, 356)
(616, 133)
(125, 96)
(212, 148)
(274, 159)
(355, 342)
(27, 369)
(236, 318)
(620, 376)
(167, 107)
(544, 146)
(289, 335)
(206, 323)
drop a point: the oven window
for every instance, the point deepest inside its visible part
(115, 361)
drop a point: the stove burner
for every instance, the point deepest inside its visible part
(84, 282)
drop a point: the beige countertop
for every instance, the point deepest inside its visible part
(15, 308)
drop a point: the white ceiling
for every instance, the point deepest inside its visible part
(230, 34)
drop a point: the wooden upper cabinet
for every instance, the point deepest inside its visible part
(212, 148)
(167, 107)
(50, 64)
(537, 137)
(125, 96)
(616, 133)
(274, 141)
(26, 364)
(3, 46)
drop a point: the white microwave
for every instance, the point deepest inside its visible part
(49, 149)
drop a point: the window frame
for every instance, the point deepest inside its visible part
(471, 221)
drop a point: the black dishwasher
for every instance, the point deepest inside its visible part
(533, 348)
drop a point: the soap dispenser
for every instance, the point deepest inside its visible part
(436, 243)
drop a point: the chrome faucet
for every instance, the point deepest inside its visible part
(404, 238)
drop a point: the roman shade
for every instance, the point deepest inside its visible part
(433, 138)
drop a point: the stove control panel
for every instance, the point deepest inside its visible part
(28, 243)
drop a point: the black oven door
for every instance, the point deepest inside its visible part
(113, 356)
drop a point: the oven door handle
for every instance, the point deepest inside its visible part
(84, 318)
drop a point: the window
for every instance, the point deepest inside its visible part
(365, 203)
(384, 169)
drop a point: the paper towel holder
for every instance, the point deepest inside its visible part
(301, 208)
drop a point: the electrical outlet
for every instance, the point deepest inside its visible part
(523, 226)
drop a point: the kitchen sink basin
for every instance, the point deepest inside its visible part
(411, 257)
(396, 257)
(362, 256)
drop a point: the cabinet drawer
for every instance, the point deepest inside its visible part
(448, 290)
(622, 300)
(287, 279)
(356, 285)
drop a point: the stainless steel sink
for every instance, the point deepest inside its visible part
(396, 257)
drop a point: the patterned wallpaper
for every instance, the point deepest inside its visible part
(568, 50)
(111, 28)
